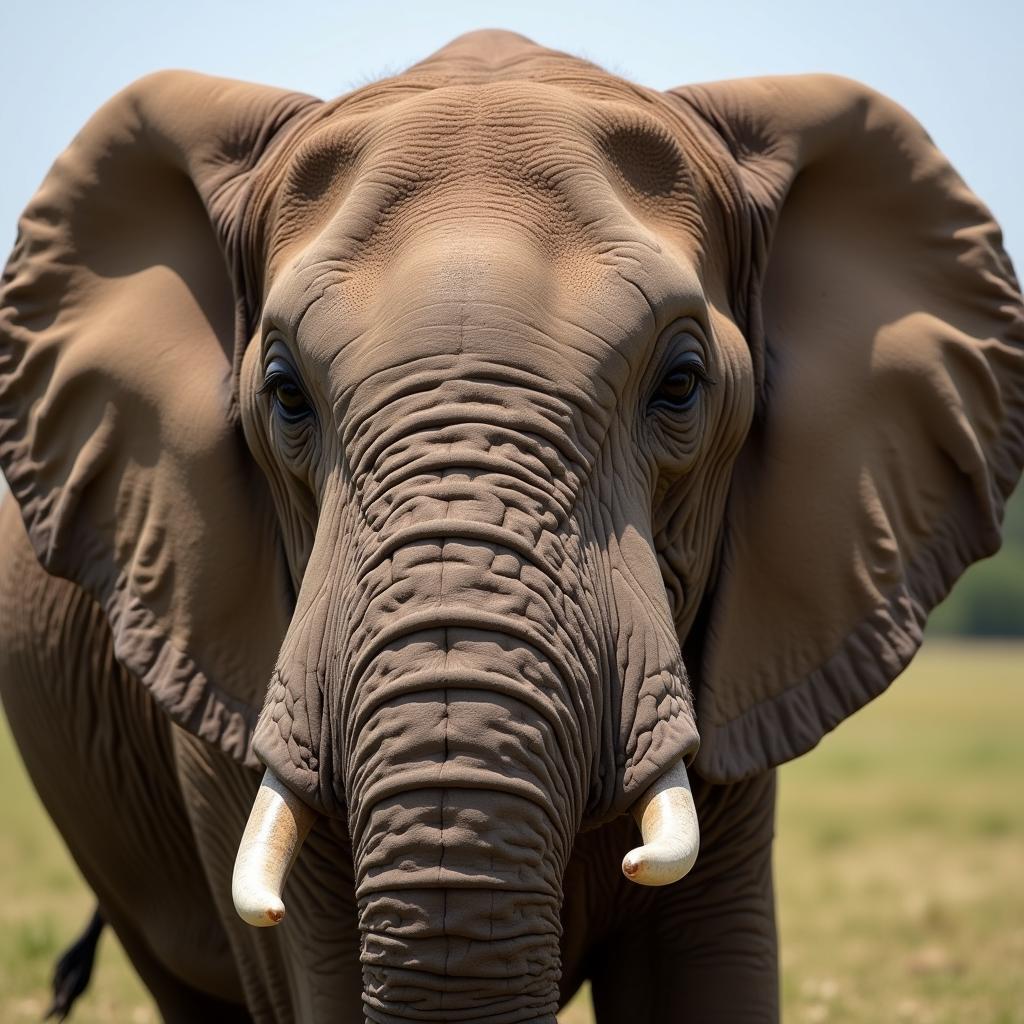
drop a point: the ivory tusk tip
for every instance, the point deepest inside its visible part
(668, 823)
(262, 910)
(647, 866)
(277, 825)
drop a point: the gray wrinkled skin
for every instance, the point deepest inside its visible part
(445, 422)
(483, 655)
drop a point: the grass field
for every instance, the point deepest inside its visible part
(900, 865)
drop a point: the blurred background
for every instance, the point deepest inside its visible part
(901, 838)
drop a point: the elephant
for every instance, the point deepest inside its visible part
(458, 498)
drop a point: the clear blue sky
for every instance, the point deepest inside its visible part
(957, 66)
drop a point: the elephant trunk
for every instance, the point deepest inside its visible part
(462, 812)
(440, 687)
(458, 909)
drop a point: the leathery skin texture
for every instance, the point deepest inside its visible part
(470, 451)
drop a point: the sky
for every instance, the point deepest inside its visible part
(957, 66)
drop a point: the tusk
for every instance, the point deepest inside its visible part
(668, 822)
(278, 823)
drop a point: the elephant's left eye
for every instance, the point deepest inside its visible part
(290, 400)
(680, 387)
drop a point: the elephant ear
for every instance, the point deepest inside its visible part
(118, 435)
(887, 324)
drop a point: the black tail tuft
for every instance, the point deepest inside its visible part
(74, 969)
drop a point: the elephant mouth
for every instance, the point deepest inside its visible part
(279, 823)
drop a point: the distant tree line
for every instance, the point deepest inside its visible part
(989, 599)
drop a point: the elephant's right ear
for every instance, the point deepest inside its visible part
(117, 428)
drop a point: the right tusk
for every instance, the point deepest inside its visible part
(278, 823)
(668, 822)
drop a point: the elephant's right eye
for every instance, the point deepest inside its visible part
(290, 400)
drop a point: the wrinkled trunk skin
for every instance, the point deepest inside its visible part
(458, 845)
(466, 680)
(460, 807)
(456, 730)
(452, 928)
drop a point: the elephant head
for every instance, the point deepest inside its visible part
(450, 420)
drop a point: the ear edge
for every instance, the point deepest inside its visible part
(872, 655)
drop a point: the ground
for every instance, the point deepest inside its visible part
(901, 842)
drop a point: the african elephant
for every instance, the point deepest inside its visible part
(519, 440)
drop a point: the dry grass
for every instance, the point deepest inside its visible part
(899, 865)
(900, 852)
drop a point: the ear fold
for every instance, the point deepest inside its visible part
(891, 415)
(117, 342)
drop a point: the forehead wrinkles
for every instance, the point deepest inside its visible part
(569, 171)
(482, 308)
(456, 275)
(463, 299)
(590, 188)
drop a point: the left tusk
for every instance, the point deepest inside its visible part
(278, 823)
(668, 823)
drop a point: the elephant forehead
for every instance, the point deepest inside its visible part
(474, 290)
(572, 170)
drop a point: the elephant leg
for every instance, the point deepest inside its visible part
(99, 754)
(176, 1000)
(705, 950)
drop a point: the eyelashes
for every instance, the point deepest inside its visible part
(680, 386)
(676, 416)
(286, 392)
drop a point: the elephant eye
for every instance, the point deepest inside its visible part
(680, 387)
(290, 400)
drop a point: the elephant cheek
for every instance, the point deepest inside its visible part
(656, 720)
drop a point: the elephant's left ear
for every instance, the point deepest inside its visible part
(888, 326)
(121, 316)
